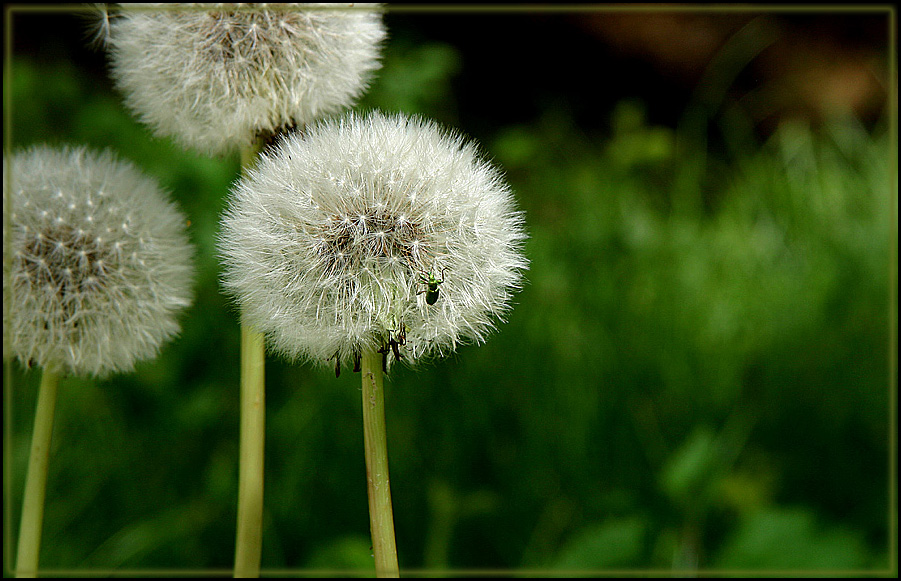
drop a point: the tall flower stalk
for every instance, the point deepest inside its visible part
(371, 240)
(30, 525)
(252, 445)
(378, 485)
(96, 268)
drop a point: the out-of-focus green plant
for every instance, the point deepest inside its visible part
(737, 341)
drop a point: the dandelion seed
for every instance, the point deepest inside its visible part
(80, 295)
(215, 77)
(329, 243)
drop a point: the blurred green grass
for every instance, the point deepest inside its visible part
(695, 375)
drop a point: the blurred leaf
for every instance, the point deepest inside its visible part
(617, 543)
(127, 546)
(516, 146)
(350, 555)
(790, 539)
(688, 473)
(416, 79)
(634, 143)
(749, 488)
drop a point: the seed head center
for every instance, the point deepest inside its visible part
(66, 260)
(374, 235)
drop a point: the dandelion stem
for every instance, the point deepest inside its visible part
(36, 479)
(249, 539)
(249, 543)
(381, 518)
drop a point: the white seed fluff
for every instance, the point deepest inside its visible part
(214, 76)
(96, 262)
(329, 242)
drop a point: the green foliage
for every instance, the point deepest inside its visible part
(348, 554)
(694, 376)
(418, 80)
(788, 539)
(617, 544)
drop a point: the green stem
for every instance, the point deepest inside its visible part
(36, 479)
(381, 518)
(249, 543)
(249, 534)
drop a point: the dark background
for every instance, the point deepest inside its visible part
(695, 378)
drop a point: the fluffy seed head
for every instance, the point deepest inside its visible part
(214, 76)
(330, 243)
(96, 262)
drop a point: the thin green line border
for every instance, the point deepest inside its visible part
(482, 9)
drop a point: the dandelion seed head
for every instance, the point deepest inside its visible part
(328, 243)
(80, 295)
(215, 76)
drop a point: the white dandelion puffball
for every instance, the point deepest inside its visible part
(214, 76)
(330, 243)
(96, 262)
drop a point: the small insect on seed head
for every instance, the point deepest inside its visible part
(431, 293)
